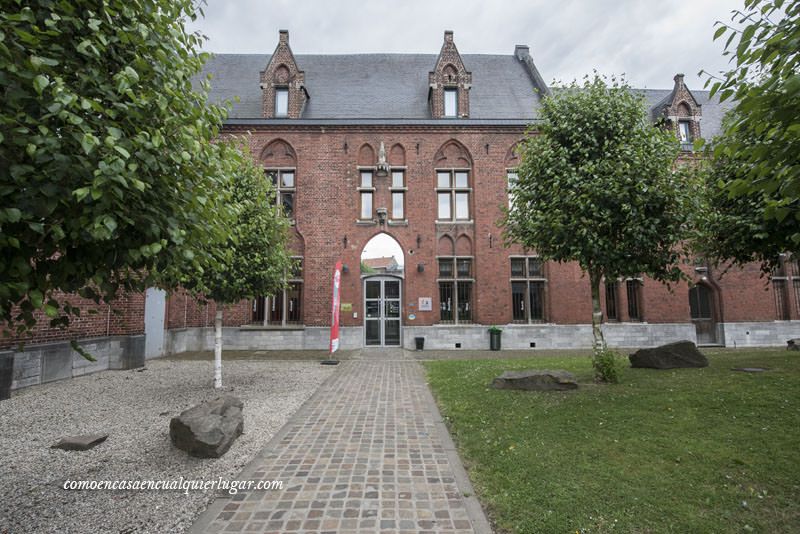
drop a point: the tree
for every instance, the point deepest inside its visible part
(597, 186)
(761, 141)
(255, 261)
(733, 229)
(109, 178)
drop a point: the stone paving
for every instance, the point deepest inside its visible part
(366, 453)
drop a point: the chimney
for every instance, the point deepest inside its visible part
(283, 36)
(448, 36)
(522, 51)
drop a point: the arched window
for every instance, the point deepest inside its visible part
(280, 166)
(453, 182)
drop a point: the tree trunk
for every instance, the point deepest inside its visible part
(218, 349)
(597, 313)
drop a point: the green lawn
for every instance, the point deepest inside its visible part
(688, 451)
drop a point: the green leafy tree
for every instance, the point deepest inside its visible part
(597, 186)
(109, 178)
(254, 260)
(760, 148)
(733, 229)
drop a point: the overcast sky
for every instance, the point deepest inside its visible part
(647, 40)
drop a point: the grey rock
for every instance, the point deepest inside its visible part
(536, 380)
(793, 344)
(681, 354)
(80, 443)
(209, 429)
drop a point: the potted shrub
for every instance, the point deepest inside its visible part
(494, 338)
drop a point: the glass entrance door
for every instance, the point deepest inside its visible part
(382, 312)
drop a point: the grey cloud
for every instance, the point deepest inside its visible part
(649, 41)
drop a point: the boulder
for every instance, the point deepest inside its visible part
(670, 356)
(793, 344)
(536, 380)
(209, 429)
(79, 443)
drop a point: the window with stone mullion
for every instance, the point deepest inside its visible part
(528, 285)
(453, 195)
(455, 290)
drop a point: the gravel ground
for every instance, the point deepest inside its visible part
(134, 408)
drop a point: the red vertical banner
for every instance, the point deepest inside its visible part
(337, 279)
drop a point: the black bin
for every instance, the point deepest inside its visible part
(419, 342)
(494, 340)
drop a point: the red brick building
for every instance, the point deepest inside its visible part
(422, 148)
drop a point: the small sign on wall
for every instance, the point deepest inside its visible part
(346, 306)
(425, 304)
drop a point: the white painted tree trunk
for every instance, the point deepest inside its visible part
(597, 314)
(218, 350)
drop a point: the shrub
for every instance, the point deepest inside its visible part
(606, 366)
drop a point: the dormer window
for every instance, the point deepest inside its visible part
(281, 101)
(449, 83)
(283, 90)
(451, 102)
(681, 113)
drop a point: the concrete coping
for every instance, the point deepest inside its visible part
(276, 328)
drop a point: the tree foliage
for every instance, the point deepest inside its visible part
(597, 186)
(760, 148)
(109, 178)
(733, 229)
(254, 260)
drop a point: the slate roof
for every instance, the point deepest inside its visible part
(393, 89)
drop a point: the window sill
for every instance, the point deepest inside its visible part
(272, 327)
(365, 222)
(459, 221)
(397, 222)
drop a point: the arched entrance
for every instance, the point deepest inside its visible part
(702, 310)
(382, 265)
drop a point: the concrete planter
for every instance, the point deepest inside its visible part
(6, 374)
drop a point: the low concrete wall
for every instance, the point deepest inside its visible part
(772, 334)
(476, 337)
(256, 338)
(548, 336)
(39, 364)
